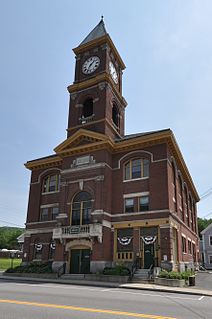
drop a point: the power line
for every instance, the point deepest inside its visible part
(207, 215)
(4, 221)
(209, 190)
(206, 194)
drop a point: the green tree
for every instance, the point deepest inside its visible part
(202, 224)
(8, 237)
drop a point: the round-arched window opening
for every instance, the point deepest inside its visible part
(87, 108)
(81, 209)
(115, 115)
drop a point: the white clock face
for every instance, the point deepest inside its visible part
(90, 65)
(113, 72)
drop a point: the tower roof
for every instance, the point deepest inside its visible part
(96, 33)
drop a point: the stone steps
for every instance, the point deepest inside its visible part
(141, 275)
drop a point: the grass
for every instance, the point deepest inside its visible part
(5, 263)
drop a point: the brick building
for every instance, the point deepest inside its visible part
(103, 196)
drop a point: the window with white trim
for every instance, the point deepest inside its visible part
(44, 214)
(54, 212)
(51, 184)
(81, 209)
(143, 203)
(210, 259)
(136, 168)
(48, 213)
(184, 250)
(129, 205)
(210, 240)
(189, 247)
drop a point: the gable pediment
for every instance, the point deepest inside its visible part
(79, 140)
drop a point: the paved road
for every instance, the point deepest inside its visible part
(204, 281)
(48, 301)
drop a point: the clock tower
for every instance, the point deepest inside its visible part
(96, 101)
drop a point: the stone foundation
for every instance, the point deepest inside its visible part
(183, 266)
(98, 266)
(56, 265)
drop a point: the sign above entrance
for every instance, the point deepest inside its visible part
(74, 230)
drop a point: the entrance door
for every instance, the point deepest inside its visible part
(80, 261)
(148, 255)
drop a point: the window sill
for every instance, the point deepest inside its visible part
(41, 222)
(47, 193)
(139, 212)
(135, 179)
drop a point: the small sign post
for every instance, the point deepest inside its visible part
(12, 256)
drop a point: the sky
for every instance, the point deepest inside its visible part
(167, 48)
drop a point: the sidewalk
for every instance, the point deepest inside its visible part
(136, 286)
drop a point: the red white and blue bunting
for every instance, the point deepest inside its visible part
(53, 245)
(149, 239)
(124, 240)
(38, 246)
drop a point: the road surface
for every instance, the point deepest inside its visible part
(48, 301)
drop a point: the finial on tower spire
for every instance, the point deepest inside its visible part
(102, 17)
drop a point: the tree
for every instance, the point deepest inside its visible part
(8, 237)
(203, 223)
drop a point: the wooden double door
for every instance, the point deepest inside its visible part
(80, 261)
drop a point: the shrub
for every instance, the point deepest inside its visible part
(186, 274)
(175, 275)
(116, 271)
(31, 268)
(163, 274)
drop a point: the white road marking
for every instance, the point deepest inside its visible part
(70, 287)
(171, 296)
(201, 298)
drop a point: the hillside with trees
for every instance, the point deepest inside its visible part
(8, 237)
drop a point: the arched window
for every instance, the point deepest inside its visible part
(190, 212)
(81, 209)
(186, 206)
(51, 183)
(87, 108)
(115, 116)
(136, 168)
(174, 187)
(181, 206)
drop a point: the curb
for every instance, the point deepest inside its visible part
(163, 289)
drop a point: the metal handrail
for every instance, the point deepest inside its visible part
(150, 272)
(134, 267)
(61, 270)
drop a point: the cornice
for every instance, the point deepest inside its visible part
(80, 133)
(87, 148)
(96, 42)
(105, 142)
(181, 163)
(88, 83)
(43, 163)
(142, 141)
